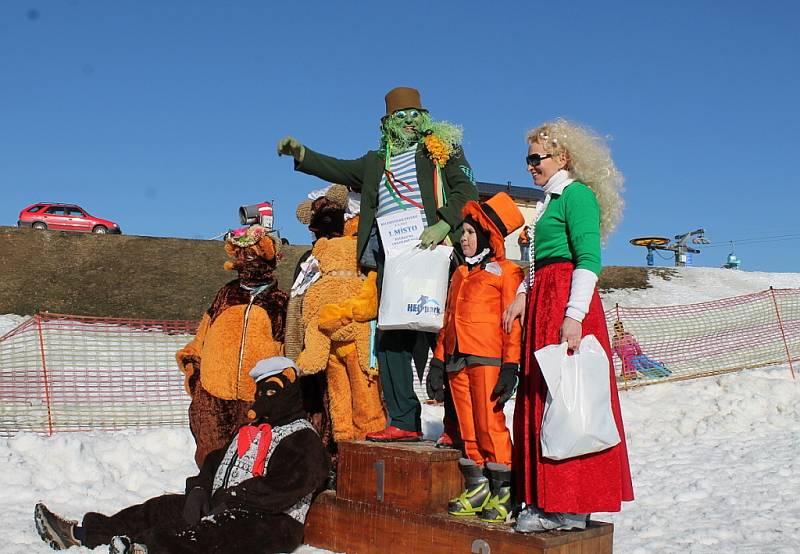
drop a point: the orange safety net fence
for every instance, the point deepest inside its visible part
(74, 373)
(668, 343)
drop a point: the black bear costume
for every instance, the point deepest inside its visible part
(250, 496)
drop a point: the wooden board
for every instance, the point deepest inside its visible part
(367, 528)
(410, 476)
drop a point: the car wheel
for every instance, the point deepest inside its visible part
(100, 230)
(39, 225)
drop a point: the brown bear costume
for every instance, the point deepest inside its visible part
(252, 495)
(244, 324)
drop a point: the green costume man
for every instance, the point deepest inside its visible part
(420, 165)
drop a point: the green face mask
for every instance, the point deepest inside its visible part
(404, 128)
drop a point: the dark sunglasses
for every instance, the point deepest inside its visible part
(534, 160)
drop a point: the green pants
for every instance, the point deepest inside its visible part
(394, 353)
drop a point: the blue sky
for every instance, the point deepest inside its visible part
(164, 115)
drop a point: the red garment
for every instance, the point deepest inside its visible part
(247, 434)
(596, 482)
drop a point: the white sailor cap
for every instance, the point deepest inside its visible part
(272, 366)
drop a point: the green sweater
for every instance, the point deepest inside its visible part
(570, 228)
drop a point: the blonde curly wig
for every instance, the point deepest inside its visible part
(588, 161)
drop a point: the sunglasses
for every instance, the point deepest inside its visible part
(534, 160)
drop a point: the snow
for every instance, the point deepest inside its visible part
(714, 460)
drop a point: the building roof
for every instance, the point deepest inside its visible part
(522, 194)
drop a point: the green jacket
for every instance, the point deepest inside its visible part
(570, 228)
(364, 175)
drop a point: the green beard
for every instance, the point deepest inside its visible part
(394, 133)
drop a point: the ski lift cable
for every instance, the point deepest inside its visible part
(727, 243)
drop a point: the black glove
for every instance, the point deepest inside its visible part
(196, 505)
(219, 508)
(506, 383)
(435, 380)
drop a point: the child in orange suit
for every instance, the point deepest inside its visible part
(479, 358)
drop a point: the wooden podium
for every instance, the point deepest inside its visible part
(392, 497)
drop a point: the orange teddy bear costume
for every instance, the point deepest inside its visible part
(244, 324)
(336, 312)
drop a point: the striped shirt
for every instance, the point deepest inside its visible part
(402, 189)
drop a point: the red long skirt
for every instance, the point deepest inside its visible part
(597, 482)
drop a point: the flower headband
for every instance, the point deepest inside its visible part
(246, 236)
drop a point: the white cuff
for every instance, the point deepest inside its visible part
(523, 286)
(580, 295)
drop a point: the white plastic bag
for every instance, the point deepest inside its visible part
(414, 291)
(577, 415)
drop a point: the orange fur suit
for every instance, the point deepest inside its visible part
(244, 324)
(336, 312)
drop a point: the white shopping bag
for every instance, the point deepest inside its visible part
(577, 415)
(414, 291)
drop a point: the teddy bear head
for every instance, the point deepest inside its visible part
(254, 254)
(325, 215)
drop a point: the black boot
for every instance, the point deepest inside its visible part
(476, 491)
(499, 505)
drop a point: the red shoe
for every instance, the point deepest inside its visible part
(445, 441)
(451, 435)
(393, 434)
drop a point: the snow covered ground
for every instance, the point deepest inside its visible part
(715, 461)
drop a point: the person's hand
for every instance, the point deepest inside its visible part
(571, 332)
(506, 383)
(434, 383)
(514, 310)
(196, 505)
(290, 146)
(434, 234)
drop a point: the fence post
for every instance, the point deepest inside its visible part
(38, 318)
(783, 333)
(622, 363)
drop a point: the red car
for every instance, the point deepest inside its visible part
(64, 217)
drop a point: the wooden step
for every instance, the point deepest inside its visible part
(371, 528)
(416, 477)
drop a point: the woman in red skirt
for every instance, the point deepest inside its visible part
(559, 303)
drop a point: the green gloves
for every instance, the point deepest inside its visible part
(290, 146)
(434, 234)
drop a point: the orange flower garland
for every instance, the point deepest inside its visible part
(438, 150)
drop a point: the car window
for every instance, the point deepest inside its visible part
(34, 209)
(55, 210)
(75, 212)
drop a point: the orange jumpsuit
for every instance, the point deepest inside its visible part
(472, 336)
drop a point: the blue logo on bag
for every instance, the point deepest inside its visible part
(425, 305)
